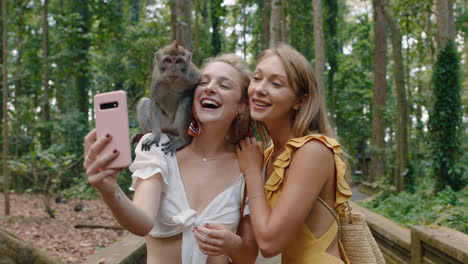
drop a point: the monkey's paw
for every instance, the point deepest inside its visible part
(150, 140)
(174, 144)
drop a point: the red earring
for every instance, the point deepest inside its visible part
(194, 128)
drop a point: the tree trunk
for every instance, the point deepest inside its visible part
(402, 121)
(266, 23)
(284, 21)
(1, 58)
(244, 28)
(275, 23)
(377, 167)
(196, 45)
(215, 8)
(19, 81)
(135, 12)
(15, 250)
(181, 22)
(445, 22)
(331, 53)
(45, 133)
(80, 82)
(318, 43)
(59, 79)
(6, 184)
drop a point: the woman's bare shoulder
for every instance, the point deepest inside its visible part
(314, 150)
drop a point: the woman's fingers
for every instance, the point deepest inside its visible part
(98, 177)
(101, 162)
(209, 246)
(95, 149)
(244, 143)
(88, 140)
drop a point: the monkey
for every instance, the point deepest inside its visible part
(169, 108)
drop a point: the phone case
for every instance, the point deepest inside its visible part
(112, 118)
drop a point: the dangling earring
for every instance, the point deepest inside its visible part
(194, 127)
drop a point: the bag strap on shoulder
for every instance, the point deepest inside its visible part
(333, 212)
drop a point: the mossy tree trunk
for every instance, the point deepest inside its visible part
(377, 166)
(6, 184)
(399, 78)
(318, 43)
(15, 250)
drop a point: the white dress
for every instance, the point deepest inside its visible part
(175, 215)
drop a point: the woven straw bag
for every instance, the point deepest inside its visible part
(355, 236)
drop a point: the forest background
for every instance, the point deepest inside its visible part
(392, 71)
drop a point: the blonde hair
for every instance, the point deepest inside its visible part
(311, 118)
(240, 127)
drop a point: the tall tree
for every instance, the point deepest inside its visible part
(216, 12)
(332, 51)
(20, 40)
(402, 120)
(445, 120)
(6, 176)
(445, 22)
(377, 166)
(244, 28)
(319, 43)
(79, 43)
(275, 22)
(284, 21)
(45, 132)
(181, 22)
(266, 23)
(196, 46)
(135, 12)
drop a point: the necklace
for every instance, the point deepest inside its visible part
(204, 158)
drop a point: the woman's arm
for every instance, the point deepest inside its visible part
(138, 216)
(216, 239)
(248, 252)
(308, 172)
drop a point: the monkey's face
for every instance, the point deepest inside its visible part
(218, 96)
(272, 99)
(173, 68)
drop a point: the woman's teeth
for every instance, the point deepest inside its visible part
(259, 103)
(208, 103)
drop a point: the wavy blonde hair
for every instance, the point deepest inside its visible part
(240, 127)
(311, 118)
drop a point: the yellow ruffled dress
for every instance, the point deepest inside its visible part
(305, 247)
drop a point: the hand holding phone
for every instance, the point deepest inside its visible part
(112, 118)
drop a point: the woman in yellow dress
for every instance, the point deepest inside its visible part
(303, 162)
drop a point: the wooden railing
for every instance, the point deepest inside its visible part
(420, 244)
(129, 250)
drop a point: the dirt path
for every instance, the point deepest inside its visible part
(58, 237)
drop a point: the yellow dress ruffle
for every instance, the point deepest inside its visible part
(306, 247)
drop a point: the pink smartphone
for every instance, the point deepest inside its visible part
(112, 118)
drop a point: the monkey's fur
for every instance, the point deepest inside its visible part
(169, 109)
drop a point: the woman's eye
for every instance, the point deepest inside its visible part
(277, 84)
(203, 83)
(255, 78)
(224, 86)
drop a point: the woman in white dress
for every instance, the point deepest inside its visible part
(187, 205)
